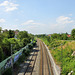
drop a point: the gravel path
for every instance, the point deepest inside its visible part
(32, 63)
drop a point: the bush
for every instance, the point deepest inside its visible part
(1, 54)
(62, 51)
(8, 72)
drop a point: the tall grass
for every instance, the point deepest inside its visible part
(62, 54)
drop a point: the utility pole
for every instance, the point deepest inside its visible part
(11, 60)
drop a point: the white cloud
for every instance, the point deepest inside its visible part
(60, 26)
(2, 20)
(9, 6)
(70, 14)
(63, 24)
(33, 27)
(73, 26)
(30, 22)
(64, 20)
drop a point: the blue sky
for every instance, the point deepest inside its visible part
(38, 16)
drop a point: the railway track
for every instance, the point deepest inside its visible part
(45, 65)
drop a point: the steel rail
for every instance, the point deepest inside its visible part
(48, 64)
(45, 59)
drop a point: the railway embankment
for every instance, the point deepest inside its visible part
(55, 68)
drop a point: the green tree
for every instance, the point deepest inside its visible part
(1, 38)
(1, 54)
(6, 47)
(31, 36)
(73, 34)
(64, 36)
(25, 41)
(22, 34)
(0, 29)
(17, 30)
(11, 33)
(5, 34)
(55, 36)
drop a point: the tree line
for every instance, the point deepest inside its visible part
(17, 38)
(62, 36)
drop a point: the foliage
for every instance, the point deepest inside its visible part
(0, 29)
(73, 34)
(11, 34)
(25, 41)
(1, 54)
(1, 38)
(22, 34)
(7, 38)
(63, 36)
(61, 51)
(8, 72)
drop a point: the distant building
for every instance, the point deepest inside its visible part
(68, 35)
(49, 35)
(16, 32)
(5, 30)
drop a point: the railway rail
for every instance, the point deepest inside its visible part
(45, 65)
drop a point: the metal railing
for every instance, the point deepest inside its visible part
(7, 63)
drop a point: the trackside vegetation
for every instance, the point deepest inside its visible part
(61, 50)
(26, 51)
(21, 43)
(18, 39)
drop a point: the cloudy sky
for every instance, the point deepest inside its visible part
(38, 16)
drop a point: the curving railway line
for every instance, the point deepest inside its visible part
(45, 65)
(39, 64)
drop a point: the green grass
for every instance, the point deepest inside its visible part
(61, 52)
